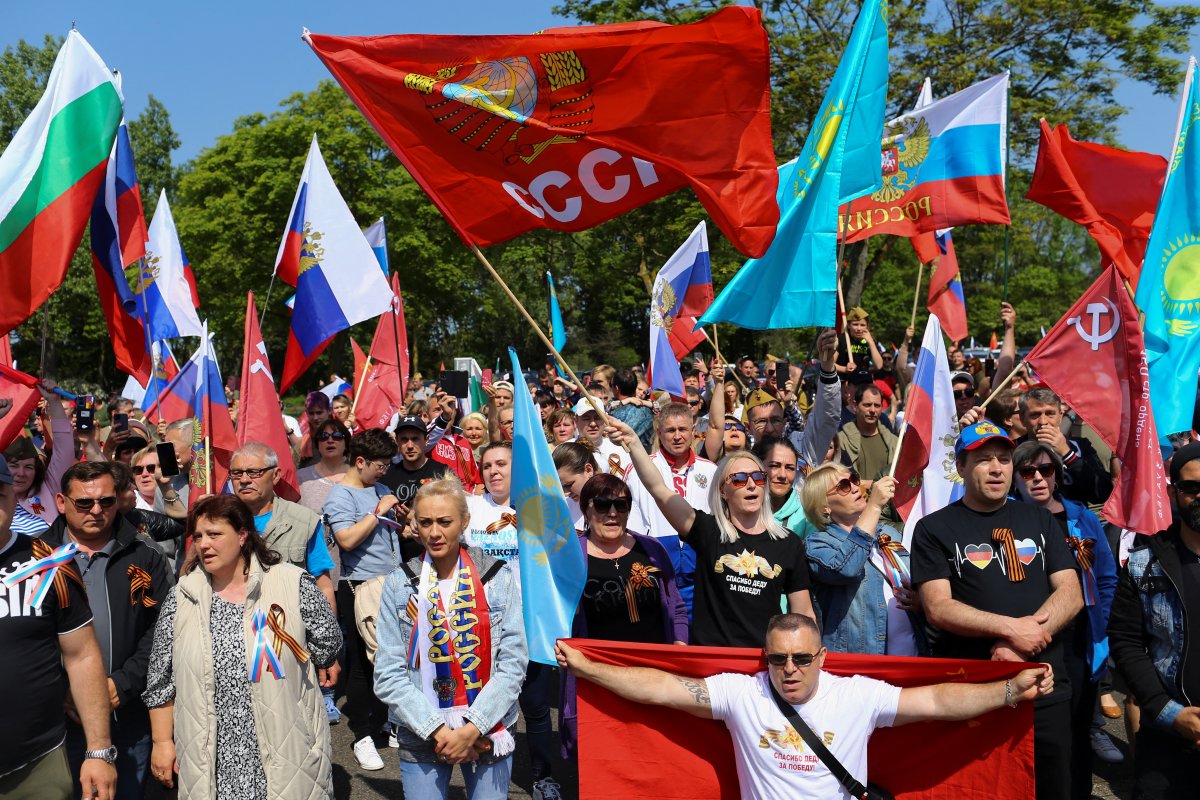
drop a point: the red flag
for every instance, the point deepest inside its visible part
(640, 752)
(259, 417)
(381, 392)
(993, 343)
(22, 390)
(125, 330)
(391, 337)
(360, 364)
(6, 358)
(1111, 192)
(570, 127)
(945, 298)
(1101, 330)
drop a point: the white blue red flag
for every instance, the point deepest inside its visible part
(926, 478)
(946, 299)
(163, 282)
(164, 371)
(337, 277)
(118, 239)
(377, 238)
(682, 291)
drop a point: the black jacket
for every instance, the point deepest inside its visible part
(1086, 479)
(132, 616)
(158, 527)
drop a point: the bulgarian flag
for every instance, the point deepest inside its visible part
(49, 175)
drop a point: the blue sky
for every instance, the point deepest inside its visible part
(212, 61)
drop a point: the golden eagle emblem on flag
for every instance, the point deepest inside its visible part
(902, 153)
(664, 303)
(312, 252)
(145, 272)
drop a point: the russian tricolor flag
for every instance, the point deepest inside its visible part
(337, 277)
(682, 291)
(163, 280)
(377, 238)
(945, 284)
(926, 478)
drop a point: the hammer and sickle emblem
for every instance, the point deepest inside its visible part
(261, 364)
(1095, 337)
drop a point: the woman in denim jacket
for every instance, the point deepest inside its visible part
(859, 568)
(452, 655)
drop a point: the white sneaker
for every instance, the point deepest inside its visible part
(366, 755)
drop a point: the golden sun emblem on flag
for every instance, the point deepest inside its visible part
(786, 739)
(747, 563)
(901, 152)
(145, 272)
(312, 252)
(1181, 285)
(539, 519)
(664, 302)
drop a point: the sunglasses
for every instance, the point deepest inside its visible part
(1187, 487)
(252, 474)
(963, 394)
(693, 402)
(85, 504)
(846, 485)
(739, 479)
(797, 659)
(140, 468)
(325, 436)
(603, 505)
(735, 426)
(1029, 470)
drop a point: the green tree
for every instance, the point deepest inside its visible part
(153, 141)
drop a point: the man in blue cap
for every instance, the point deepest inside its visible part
(997, 581)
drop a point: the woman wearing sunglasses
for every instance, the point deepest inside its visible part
(332, 441)
(859, 568)
(746, 562)
(630, 593)
(145, 477)
(1037, 479)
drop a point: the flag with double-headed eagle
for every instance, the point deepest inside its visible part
(326, 256)
(570, 127)
(682, 291)
(1168, 292)
(942, 165)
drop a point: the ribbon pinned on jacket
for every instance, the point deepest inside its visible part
(276, 622)
(264, 655)
(43, 571)
(140, 583)
(1082, 548)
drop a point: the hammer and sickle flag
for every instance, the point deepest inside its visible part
(571, 127)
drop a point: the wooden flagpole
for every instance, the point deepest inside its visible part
(896, 455)
(917, 292)
(1012, 374)
(361, 379)
(712, 340)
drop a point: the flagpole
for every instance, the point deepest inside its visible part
(721, 357)
(845, 324)
(896, 455)
(917, 292)
(1012, 374)
(153, 382)
(596, 404)
(263, 314)
(396, 339)
(45, 333)
(362, 379)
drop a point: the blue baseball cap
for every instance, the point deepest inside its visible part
(974, 436)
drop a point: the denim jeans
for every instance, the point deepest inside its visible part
(484, 781)
(131, 735)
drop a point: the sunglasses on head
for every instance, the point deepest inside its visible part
(1029, 470)
(798, 659)
(1187, 487)
(325, 436)
(963, 394)
(140, 468)
(603, 505)
(735, 426)
(846, 485)
(85, 504)
(739, 479)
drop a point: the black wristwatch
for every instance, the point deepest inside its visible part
(108, 755)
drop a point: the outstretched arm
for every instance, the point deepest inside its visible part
(961, 701)
(677, 510)
(640, 684)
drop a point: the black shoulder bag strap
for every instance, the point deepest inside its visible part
(818, 747)
(487, 576)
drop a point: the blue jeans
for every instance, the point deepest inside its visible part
(131, 735)
(484, 781)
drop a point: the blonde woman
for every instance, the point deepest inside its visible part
(746, 562)
(475, 430)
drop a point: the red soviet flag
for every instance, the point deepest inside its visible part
(1111, 394)
(641, 752)
(259, 416)
(1111, 192)
(22, 390)
(570, 127)
(379, 393)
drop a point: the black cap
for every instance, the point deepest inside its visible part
(1182, 456)
(411, 421)
(860, 377)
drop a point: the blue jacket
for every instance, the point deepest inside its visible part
(849, 591)
(1083, 524)
(1148, 629)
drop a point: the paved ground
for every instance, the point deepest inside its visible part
(1113, 782)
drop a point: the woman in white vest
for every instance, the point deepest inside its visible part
(235, 705)
(452, 655)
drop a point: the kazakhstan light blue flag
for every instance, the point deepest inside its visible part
(1169, 287)
(558, 332)
(795, 284)
(553, 568)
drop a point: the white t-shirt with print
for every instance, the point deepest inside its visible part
(772, 760)
(500, 543)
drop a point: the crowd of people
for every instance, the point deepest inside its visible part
(210, 642)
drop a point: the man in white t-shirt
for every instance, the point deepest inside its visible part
(689, 475)
(772, 759)
(611, 458)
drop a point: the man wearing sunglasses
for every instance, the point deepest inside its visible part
(126, 578)
(846, 710)
(1155, 621)
(998, 581)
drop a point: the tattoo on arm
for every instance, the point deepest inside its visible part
(698, 690)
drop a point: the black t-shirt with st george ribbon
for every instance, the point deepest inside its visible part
(404, 484)
(957, 544)
(34, 683)
(740, 586)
